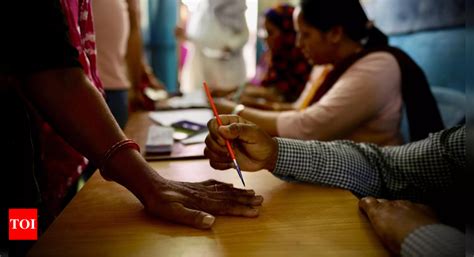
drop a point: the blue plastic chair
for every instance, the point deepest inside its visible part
(451, 104)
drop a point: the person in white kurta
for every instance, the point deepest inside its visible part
(216, 33)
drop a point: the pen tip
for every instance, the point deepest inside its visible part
(237, 167)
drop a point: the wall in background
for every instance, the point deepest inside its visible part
(405, 16)
(441, 54)
(432, 32)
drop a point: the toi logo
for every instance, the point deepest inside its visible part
(23, 224)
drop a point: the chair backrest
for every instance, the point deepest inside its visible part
(440, 53)
(451, 104)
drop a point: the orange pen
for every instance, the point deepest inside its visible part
(219, 121)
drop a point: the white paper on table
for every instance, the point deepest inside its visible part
(198, 138)
(166, 118)
(194, 99)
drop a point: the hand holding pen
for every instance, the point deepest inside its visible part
(229, 147)
(254, 149)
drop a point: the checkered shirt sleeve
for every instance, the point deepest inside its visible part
(401, 172)
(435, 240)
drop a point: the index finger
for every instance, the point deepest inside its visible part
(213, 132)
(226, 120)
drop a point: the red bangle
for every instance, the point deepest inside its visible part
(115, 148)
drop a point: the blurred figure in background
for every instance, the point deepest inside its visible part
(287, 69)
(121, 63)
(362, 97)
(218, 32)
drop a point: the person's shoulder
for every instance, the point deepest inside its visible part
(378, 58)
(373, 70)
(379, 64)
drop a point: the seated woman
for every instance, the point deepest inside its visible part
(288, 71)
(362, 96)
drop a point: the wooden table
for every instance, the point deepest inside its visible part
(296, 219)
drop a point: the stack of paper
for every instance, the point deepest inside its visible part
(200, 116)
(159, 140)
(166, 118)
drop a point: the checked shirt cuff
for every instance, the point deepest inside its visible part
(436, 240)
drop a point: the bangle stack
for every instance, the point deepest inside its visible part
(115, 148)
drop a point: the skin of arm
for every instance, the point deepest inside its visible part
(92, 130)
(264, 104)
(137, 65)
(134, 48)
(256, 151)
(394, 220)
(267, 120)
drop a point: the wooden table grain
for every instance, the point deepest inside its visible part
(296, 219)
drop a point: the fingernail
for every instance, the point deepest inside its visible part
(208, 220)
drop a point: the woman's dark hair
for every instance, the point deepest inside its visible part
(326, 14)
(281, 16)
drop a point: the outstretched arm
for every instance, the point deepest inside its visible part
(267, 120)
(410, 171)
(78, 112)
(414, 171)
(52, 81)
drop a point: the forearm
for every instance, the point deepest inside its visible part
(134, 56)
(367, 170)
(283, 106)
(256, 91)
(267, 120)
(261, 104)
(78, 112)
(334, 164)
(270, 94)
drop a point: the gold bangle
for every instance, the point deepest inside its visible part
(117, 147)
